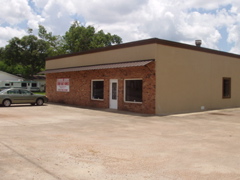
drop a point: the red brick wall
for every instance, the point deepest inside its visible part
(80, 87)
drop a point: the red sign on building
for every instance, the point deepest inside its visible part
(63, 85)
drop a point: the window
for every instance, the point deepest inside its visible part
(25, 92)
(97, 89)
(24, 84)
(14, 91)
(133, 90)
(226, 87)
(34, 84)
(7, 84)
(114, 91)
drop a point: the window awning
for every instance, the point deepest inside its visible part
(102, 66)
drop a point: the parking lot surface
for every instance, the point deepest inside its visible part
(70, 143)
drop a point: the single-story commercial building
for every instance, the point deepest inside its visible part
(151, 76)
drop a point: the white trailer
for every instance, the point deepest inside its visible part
(33, 86)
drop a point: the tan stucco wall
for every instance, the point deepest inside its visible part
(114, 56)
(188, 80)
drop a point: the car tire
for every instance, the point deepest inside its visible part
(39, 102)
(7, 103)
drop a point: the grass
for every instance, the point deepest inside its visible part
(41, 93)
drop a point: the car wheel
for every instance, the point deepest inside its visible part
(39, 102)
(7, 103)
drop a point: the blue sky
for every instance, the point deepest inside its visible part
(216, 23)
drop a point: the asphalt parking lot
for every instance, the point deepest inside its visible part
(69, 143)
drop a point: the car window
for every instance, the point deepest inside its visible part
(25, 92)
(13, 91)
(3, 91)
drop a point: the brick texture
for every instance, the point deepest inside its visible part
(80, 87)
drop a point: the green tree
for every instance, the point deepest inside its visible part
(26, 56)
(1, 53)
(55, 43)
(13, 69)
(29, 52)
(17, 69)
(80, 38)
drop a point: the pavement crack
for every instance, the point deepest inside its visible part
(31, 161)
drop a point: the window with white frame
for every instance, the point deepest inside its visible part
(133, 90)
(98, 89)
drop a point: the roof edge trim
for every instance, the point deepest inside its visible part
(146, 42)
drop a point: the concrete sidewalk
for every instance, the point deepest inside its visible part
(69, 143)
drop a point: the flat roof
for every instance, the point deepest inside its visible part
(146, 42)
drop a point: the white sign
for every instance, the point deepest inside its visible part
(63, 85)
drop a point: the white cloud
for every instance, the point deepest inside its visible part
(208, 5)
(109, 11)
(177, 20)
(14, 12)
(234, 29)
(8, 33)
(35, 21)
(40, 3)
(56, 15)
(234, 37)
(166, 19)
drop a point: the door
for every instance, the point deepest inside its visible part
(14, 95)
(27, 96)
(113, 94)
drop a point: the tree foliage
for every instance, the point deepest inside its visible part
(80, 38)
(54, 43)
(28, 52)
(26, 55)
